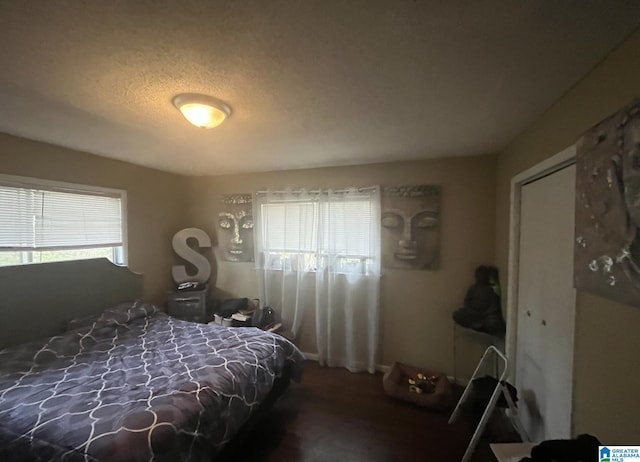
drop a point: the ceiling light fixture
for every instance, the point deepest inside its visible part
(201, 110)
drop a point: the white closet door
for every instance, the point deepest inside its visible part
(546, 305)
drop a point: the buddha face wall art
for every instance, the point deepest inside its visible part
(411, 227)
(235, 228)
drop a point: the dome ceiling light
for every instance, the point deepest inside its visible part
(201, 110)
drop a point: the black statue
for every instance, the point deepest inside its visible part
(481, 310)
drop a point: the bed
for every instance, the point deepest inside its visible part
(127, 382)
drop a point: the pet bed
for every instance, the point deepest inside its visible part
(396, 384)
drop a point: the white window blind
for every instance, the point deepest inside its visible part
(342, 227)
(349, 225)
(290, 226)
(334, 230)
(44, 219)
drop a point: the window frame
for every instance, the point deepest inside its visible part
(76, 188)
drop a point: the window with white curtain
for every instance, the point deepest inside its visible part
(42, 221)
(310, 232)
(319, 252)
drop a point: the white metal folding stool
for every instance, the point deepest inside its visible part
(501, 388)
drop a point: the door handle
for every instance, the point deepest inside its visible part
(544, 323)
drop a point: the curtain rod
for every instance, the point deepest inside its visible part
(317, 191)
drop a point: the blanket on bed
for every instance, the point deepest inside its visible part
(136, 385)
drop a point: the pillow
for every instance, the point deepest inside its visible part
(122, 313)
(126, 312)
(79, 323)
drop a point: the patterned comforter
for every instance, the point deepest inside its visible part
(135, 385)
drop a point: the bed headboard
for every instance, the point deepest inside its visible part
(39, 300)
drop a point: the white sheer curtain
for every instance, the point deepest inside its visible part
(319, 253)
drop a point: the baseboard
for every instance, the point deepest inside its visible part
(314, 357)
(384, 368)
(458, 381)
(311, 356)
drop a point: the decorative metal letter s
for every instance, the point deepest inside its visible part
(181, 247)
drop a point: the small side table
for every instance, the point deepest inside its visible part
(188, 305)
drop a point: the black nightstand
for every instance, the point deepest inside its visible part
(188, 305)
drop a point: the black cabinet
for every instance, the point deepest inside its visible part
(190, 306)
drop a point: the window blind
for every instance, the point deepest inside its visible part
(342, 227)
(42, 219)
(290, 226)
(347, 227)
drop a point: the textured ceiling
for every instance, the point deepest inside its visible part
(310, 82)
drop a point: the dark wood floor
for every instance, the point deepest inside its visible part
(334, 415)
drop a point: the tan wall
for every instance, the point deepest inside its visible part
(607, 344)
(155, 200)
(416, 305)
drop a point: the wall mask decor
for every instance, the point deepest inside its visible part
(607, 241)
(235, 228)
(411, 227)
